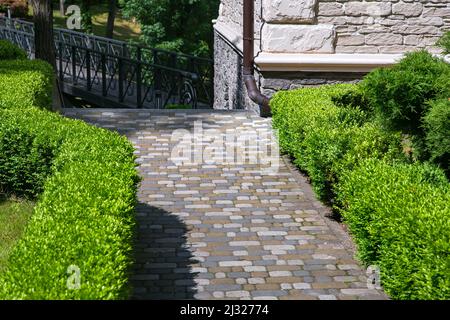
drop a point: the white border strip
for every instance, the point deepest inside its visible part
(337, 62)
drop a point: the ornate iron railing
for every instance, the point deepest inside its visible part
(121, 73)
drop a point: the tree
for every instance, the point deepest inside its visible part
(43, 31)
(181, 25)
(112, 9)
(44, 48)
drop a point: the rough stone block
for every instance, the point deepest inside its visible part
(350, 40)
(413, 40)
(408, 29)
(331, 9)
(357, 8)
(383, 39)
(397, 49)
(298, 38)
(392, 22)
(341, 20)
(436, 12)
(289, 11)
(407, 9)
(373, 29)
(420, 40)
(427, 21)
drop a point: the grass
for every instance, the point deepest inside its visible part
(123, 29)
(14, 215)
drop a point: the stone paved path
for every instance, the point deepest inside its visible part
(228, 231)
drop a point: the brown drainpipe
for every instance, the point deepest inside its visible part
(249, 60)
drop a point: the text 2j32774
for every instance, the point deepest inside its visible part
(229, 310)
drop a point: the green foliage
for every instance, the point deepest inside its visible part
(398, 95)
(437, 130)
(25, 83)
(86, 15)
(444, 42)
(324, 139)
(400, 218)
(9, 51)
(85, 181)
(180, 25)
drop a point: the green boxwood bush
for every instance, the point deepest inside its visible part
(324, 139)
(25, 83)
(85, 213)
(400, 218)
(437, 132)
(9, 51)
(353, 97)
(398, 212)
(399, 95)
(85, 182)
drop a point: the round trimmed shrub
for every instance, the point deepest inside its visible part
(399, 95)
(437, 129)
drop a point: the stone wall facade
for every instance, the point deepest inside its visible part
(385, 26)
(330, 30)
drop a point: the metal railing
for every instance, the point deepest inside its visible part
(121, 73)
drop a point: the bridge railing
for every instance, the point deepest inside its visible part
(125, 80)
(129, 73)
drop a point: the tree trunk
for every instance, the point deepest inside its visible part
(43, 30)
(44, 42)
(111, 18)
(62, 12)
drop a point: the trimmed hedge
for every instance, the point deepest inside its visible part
(397, 212)
(85, 181)
(85, 214)
(325, 139)
(400, 218)
(25, 83)
(9, 51)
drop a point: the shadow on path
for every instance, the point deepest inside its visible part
(162, 268)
